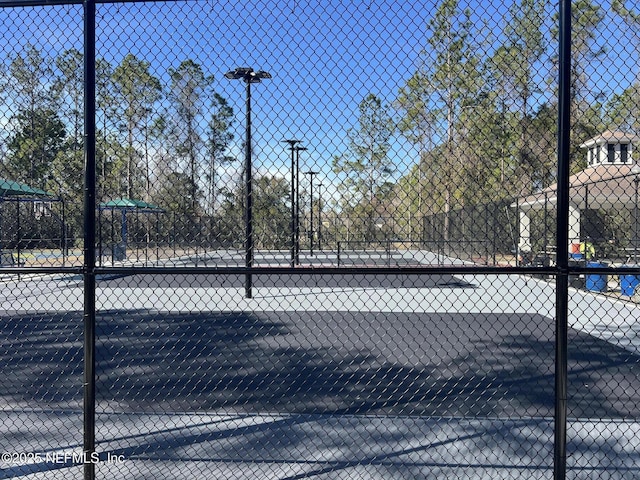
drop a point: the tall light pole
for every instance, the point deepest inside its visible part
(292, 147)
(248, 76)
(297, 228)
(320, 217)
(311, 174)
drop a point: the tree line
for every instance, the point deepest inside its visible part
(478, 113)
(160, 143)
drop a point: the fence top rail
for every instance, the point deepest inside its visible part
(45, 3)
(334, 270)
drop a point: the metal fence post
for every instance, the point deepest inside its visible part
(89, 317)
(562, 236)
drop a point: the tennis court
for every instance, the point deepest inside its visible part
(317, 376)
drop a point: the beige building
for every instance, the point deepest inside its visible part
(610, 182)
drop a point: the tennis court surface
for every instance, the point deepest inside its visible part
(316, 376)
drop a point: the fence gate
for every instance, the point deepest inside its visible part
(338, 240)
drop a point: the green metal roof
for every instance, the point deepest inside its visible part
(129, 204)
(9, 188)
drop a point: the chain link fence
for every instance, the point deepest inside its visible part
(346, 240)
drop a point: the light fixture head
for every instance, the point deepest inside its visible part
(247, 74)
(239, 72)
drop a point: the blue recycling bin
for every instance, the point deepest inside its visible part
(629, 282)
(596, 282)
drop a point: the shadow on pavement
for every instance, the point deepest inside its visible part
(324, 376)
(314, 362)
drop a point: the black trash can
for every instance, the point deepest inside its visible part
(576, 280)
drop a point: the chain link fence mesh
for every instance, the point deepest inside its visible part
(326, 240)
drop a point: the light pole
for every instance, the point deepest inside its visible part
(311, 173)
(297, 228)
(248, 76)
(636, 180)
(292, 147)
(320, 217)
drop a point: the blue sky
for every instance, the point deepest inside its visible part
(324, 60)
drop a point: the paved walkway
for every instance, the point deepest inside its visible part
(287, 447)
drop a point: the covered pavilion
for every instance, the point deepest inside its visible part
(12, 191)
(609, 183)
(125, 206)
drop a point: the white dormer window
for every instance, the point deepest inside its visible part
(611, 148)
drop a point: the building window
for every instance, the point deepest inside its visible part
(624, 152)
(611, 153)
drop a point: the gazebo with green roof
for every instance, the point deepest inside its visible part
(12, 191)
(124, 205)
